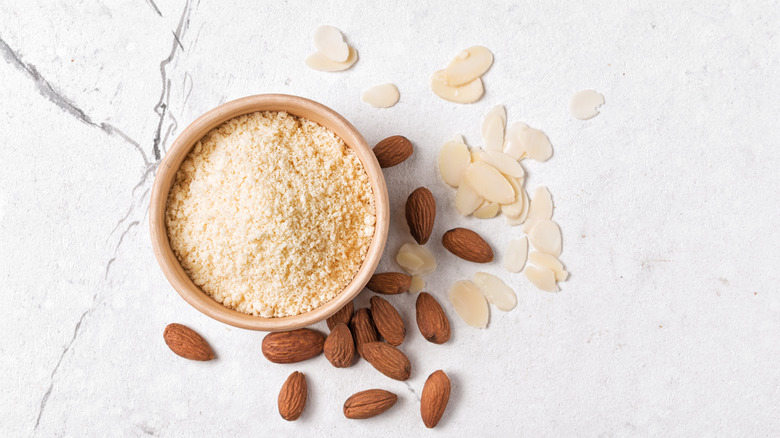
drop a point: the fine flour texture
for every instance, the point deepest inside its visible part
(271, 214)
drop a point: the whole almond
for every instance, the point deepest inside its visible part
(363, 329)
(388, 360)
(183, 341)
(420, 214)
(431, 319)
(343, 315)
(435, 395)
(387, 321)
(390, 283)
(293, 346)
(467, 245)
(393, 150)
(339, 347)
(369, 403)
(292, 397)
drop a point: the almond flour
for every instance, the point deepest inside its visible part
(271, 214)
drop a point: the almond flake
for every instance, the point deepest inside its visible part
(467, 199)
(454, 158)
(542, 278)
(416, 259)
(512, 146)
(487, 210)
(496, 291)
(545, 236)
(584, 104)
(320, 62)
(549, 262)
(503, 163)
(467, 93)
(418, 284)
(381, 96)
(516, 254)
(541, 204)
(490, 183)
(469, 303)
(518, 208)
(330, 42)
(493, 128)
(536, 145)
(468, 65)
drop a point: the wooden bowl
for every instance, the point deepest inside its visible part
(166, 174)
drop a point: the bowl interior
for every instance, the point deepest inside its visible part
(166, 174)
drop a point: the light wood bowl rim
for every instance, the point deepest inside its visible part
(165, 176)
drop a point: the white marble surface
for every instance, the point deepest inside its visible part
(668, 201)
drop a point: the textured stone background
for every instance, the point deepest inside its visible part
(668, 202)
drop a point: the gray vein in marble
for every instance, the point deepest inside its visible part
(161, 108)
(76, 332)
(119, 243)
(46, 90)
(154, 6)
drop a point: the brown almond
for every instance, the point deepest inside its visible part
(339, 347)
(293, 346)
(390, 283)
(185, 342)
(431, 319)
(467, 245)
(363, 330)
(420, 214)
(369, 403)
(343, 315)
(388, 360)
(435, 395)
(292, 397)
(387, 321)
(393, 150)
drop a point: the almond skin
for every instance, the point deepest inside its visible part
(387, 321)
(293, 346)
(292, 397)
(467, 245)
(369, 403)
(420, 214)
(431, 319)
(388, 360)
(183, 341)
(390, 283)
(435, 395)
(343, 315)
(363, 330)
(339, 347)
(393, 151)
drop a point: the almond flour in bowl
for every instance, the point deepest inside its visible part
(271, 214)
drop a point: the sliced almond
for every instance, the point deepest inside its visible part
(468, 65)
(516, 254)
(470, 304)
(535, 144)
(529, 224)
(545, 236)
(454, 159)
(493, 128)
(513, 221)
(503, 163)
(512, 145)
(416, 259)
(542, 278)
(515, 209)
(330, 42)
(487, 210)
(318, 61)
(458, 138)
(418, 284)
(467, 199)
(496, 291)
(467, 93)
(584, 104)
(547, 261)
(381, 96)
(541, 205)
(490, 183)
